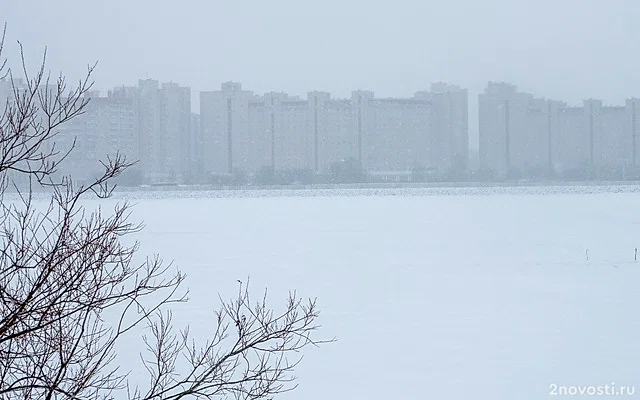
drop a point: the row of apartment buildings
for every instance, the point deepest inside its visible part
(245, 131)
(526, 137)
(238, 130)
(520, 136)
(149, 124)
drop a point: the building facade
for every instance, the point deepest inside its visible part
(531, 138)
(224, 118)
(246, 132)
(107, 127)
(449, 141)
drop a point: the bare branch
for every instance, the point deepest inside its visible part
(70, 288)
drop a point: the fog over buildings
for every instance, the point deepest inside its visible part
(338, 80)
(240, 136)
(561, 50)
(470, 174)
(526, 137)
(245, 131)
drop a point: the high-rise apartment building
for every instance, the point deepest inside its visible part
(106, 128)
(518, 133)
(277, 129)
(597, 140)
(196, 151)
(449, 131)
(225, 120)
(495, 128)
(396, 134)
(243, 131)
(633, 130)
(526, 137)
(147, 97)
(163, 114)
(174, 148)
(332, 136)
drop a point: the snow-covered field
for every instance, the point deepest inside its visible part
(455, 295)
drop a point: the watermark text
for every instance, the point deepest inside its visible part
(591, 390)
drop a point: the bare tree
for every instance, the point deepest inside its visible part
(70, 289)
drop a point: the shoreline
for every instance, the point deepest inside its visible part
(352, 186)
(366, 189)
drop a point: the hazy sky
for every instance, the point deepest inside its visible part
(563, 49)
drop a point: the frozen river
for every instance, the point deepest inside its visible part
(477, 294)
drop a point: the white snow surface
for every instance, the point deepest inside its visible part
(476, 294)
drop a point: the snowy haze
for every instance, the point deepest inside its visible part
(432, 294)
(569, 50)
(481, 293)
